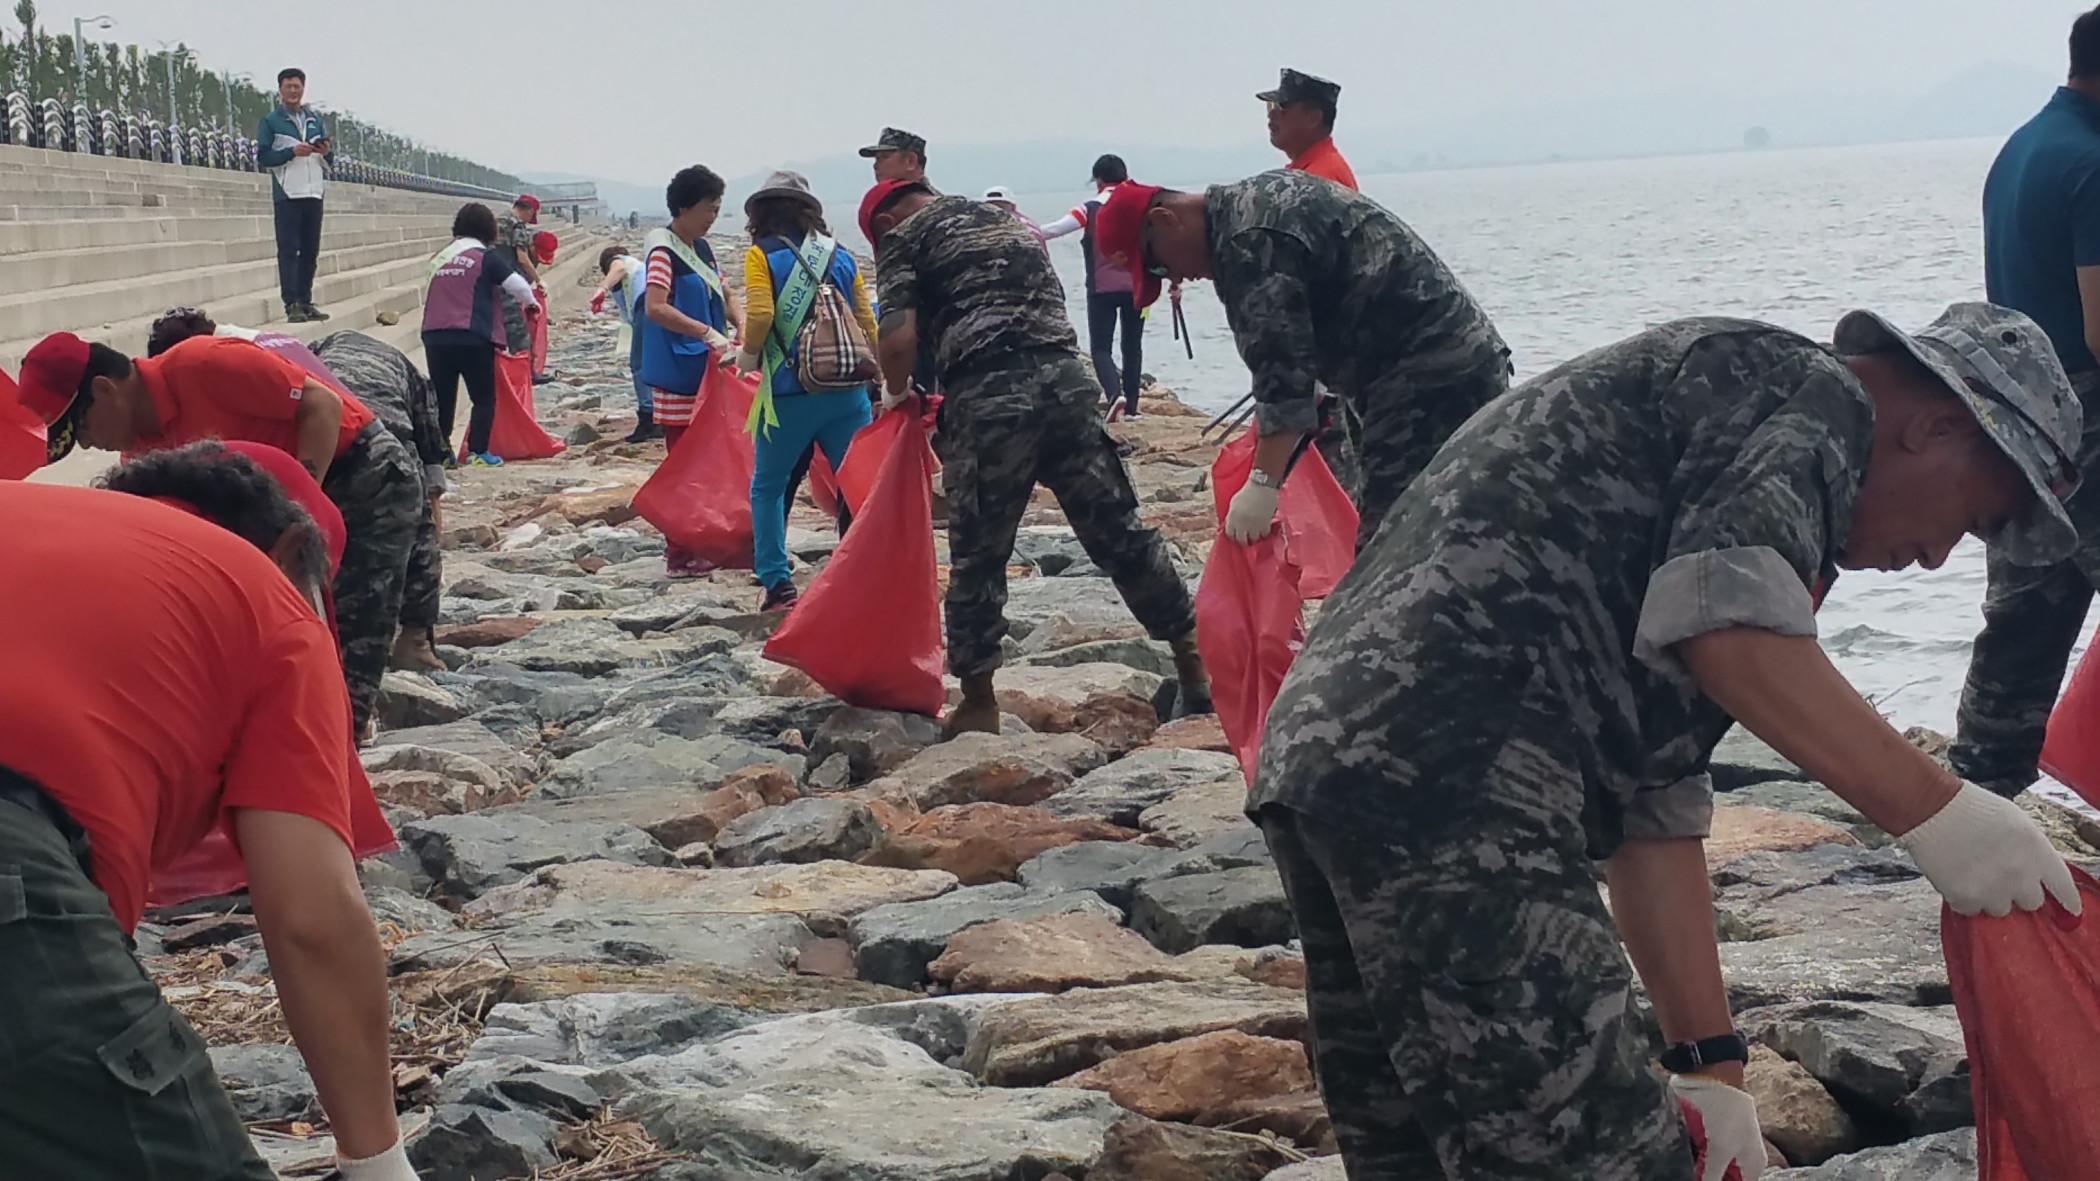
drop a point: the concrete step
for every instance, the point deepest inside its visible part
(341, 275)
(35, 237)
(49, 270)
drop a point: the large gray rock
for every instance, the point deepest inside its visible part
(1085, 602)
(663, 612)
(482, 1144)
(1202, 812)
(1121, 792)
(1141, 653)
(467, 855)
(1905, 1065)
(875, 742)
(520, 1084)
(651, 759)
(266, 1082)
(1948, 1156)
(466, 737)
(1319, 1168)
(1856, 943)
(1742, 759)
(822, 1050)
(1809, 799)
(1032, 1042)
(893, 944)
(799, 832)
(409, 699)
(1245, 907)
(408, 911)
(758, 944)
(602, 1028)
(762, 720)
(556, 699)
(1111, 869)
(996, 768)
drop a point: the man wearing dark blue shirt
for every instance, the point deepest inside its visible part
(2041, 223)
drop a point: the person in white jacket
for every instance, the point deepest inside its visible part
(293, 146)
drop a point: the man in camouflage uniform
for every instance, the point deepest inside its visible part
(391, 386)
(1526, 674)
(514, 231)
(1019, 409)
(1321, 284)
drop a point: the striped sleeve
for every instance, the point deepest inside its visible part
(659, 273)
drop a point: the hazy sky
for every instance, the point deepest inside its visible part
(632, 89)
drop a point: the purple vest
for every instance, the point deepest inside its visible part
(459, 300)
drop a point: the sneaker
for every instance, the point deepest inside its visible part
(295, 314)
(780, 596)
(484, 459)
(543, 379)
(451, 462)
(681, 564)
(312, 312)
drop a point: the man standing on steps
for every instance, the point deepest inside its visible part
(1321, 284)
(2041, 255)
(291, 145)
(898, 156)
(1301, 125)
(1020, 408)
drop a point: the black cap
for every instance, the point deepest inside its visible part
(1295, 87)
(895, 140)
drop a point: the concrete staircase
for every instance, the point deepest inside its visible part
(103, 246)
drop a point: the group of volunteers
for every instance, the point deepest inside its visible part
(1564, 593)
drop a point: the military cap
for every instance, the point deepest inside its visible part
(1295, 87)
(895, 140)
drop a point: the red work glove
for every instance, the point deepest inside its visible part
(597, 302)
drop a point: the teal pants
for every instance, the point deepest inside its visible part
(828, 420)
(100, 1079)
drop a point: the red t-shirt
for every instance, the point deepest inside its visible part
(222, 387)
(1324, 159)
(161, 670)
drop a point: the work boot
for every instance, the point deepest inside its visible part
(414, 651)
(977, 712)
(313, 313)
(644, 422)
(1194, 678)
(295, 314)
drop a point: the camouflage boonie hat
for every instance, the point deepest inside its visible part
(2001, 365)
(1295, 87)
(895, 140)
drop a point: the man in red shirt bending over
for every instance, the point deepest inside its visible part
(1301, 125)
(167, 672)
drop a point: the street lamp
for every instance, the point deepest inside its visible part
(81, 24)
(169, 51)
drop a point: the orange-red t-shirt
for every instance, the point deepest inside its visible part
(159, 670)
(222, 387)
(1324, 159)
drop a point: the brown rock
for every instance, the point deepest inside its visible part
(1192, 1078)
(1032, 1042)
(1201, 732)
(472, 537)
(677, 816)
(1049, 953)
(701, 982)
(742, 793)
(437, 795)
(1116, 722)
(1009, 769)
(1299, 1117)
(591, 563)
(794, 682)
(827, 957)
(1048, 698)
(1740, 830)
(1798, 1115)
(986, 842)
(1139, 1149)
(483, 980)
(610, 506)
(487, 633)
(1284, 971)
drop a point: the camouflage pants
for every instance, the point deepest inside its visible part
(100, 1079)
(2031, 619)
(1397, 425)
(424, 580)
(1034, 419)
(378, 487)
(1470, 1001)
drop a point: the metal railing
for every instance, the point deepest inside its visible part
(52, 125)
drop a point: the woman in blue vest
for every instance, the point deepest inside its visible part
(623, 281)
(792, 251)
(685, 313)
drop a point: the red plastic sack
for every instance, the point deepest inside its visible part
(2072, 750)
(516, 433)
(700, 496)
(22, 446)
(868, 629)
(823, 486)
(1249, 628)
(213, 866)
(539, 342)
(1313, 509)
(2027, 988)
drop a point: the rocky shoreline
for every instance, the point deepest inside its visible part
(664, 909)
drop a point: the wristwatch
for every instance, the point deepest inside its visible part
(1685, 1057)
(1258, 476)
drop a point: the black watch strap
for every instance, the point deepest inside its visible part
(1689, 1056)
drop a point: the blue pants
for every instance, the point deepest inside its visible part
(643, 400)
(828, 420)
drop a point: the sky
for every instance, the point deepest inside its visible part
(634, 89)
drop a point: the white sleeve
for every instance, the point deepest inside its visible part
(1068, 224)
(520, 289)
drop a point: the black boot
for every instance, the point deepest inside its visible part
(644, 428)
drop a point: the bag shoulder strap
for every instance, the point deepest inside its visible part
(683, 252)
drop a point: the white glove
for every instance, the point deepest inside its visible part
(391, 1165)
(1985, 856)
(748, 361)
(1252, 513)
(1732, 1132)
(890, 401)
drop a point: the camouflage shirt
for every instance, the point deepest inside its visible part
(1533, 581)
(513, 239)
(981, 284)
(390, 385)
(1320, 282)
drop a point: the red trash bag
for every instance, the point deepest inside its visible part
(823, 486)
(700, 496)
(868, 629)
(870, 451)
(2072, 751)
(1249, 628)
(516, 432)
(2027, 989)
(22, 444)
(1312, 508)
(213, 866)
(539, 342)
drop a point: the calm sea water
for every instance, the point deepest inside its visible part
(1569, 257)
